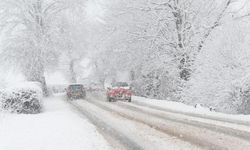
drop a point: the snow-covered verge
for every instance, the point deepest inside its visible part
(191, 110)
(24, 97)
(57, 128)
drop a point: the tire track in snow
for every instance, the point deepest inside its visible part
(217, 128)
(118, 139)
(161, 128)
(189, 136)
(228, 120)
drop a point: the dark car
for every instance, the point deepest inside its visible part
(76, 91)
(119, 91)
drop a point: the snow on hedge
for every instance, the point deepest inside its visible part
(21, 98)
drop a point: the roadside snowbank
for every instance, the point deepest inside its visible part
(58, 128)
(24, 97)
(190, 110)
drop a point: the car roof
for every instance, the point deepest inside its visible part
(76, 85)
(120, 83)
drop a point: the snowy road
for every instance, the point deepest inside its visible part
(95, 124)
(133, 126)
(124, 132)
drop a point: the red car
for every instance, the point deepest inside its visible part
(119, 91)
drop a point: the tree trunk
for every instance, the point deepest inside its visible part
(72, 71)
(184, 60)
(132, 75)
(34, 71)
(44, 87)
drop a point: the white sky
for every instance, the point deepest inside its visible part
(87, 68)
(95, 11)
(56, 78)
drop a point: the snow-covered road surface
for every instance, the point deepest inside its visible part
(57, 128)
(180, 108)
(125, 133)
(204, 133)
(233, 129)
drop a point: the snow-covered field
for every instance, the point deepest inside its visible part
(57, 128)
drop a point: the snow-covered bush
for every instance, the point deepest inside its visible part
(22, 99)
(159, 85)
(239, 95)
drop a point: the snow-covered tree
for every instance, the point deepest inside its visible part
(31, 33)
(74, 44)
(221, 78)
(158, 41)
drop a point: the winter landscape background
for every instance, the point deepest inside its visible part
(189, 51)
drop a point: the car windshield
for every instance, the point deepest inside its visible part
(76, 87)
(120, 84)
